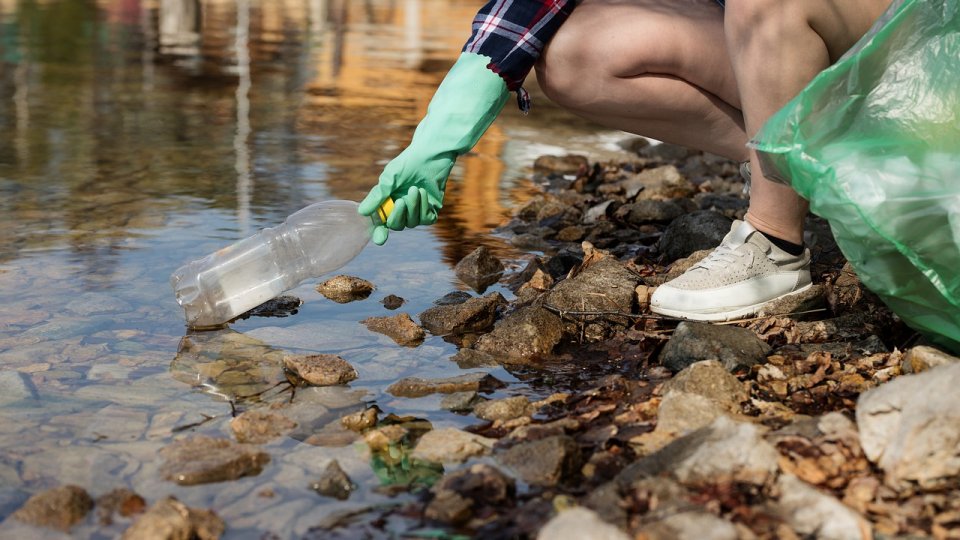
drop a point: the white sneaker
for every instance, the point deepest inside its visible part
(742, 274)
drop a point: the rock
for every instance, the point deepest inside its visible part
(392, 301)
(815, 514)
(479, 269)
(467, 492)
(334, 482)
(923, 358)
(59, 508)
(708, 378)
(361, 420)
(473, 315)
(16, 387)
(503, 409)
(543, 462)
(170, 519)
(384, 437)
(649, 211)
(413, 387)
(459, 401)
(120, 501)
(813, 298)
(321, 369)
(823, 451)
(342, 289)
(451, 445)
(526, 334)
(579, 523)
(737, 349)
(597, 212)
(724, 451)
(572, 233)
(453, 298)
(681, 412)
(471, 359)
(399, 328)
(560, 264)
(659, 183)
(910, 427)
(561, 165)
(692, 232)
(200, 459)
(281, 306)
(260, 426)
(691, 525)
(603, 286)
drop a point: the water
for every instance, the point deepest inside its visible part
(131, 142)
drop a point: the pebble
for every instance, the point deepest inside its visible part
(334, 482)
(451, 445)
(321, 369)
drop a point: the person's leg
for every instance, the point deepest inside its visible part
(777, 47)
(658, 68)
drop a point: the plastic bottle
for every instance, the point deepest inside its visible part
(309, 243)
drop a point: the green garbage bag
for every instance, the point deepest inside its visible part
(873, 143)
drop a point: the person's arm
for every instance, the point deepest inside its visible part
(508, 37)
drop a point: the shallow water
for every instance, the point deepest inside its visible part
(136, 136)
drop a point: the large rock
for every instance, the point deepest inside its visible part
(737, 349)
(474, 315)
(321, 369)
(400, 328)
(58, 508)
(451, 445)
(542, 462)
(170, 519)
(480, 269)
(910, 427)
(817, 515)
(710, 379)
(201, 459)
(692, 232)
(579, 523)
(413, 387)
(605, 285)
(527, 333)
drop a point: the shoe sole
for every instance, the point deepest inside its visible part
(724, 316)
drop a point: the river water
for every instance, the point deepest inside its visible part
(138, 135)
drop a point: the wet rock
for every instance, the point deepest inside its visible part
(171, 519)
(503, 409)
(708, 378)
(361, 420)
(459, 401)
(737, 349)
(579, 523)
(605, 286)
(392, 301)
(281, 306)
(120, 501)
(693, 232)
(59, 508)
(543, 462)
(923, 358)
(724, 451)
(561, 165)
(528, 333)
(479, 269)
(16, 387)
(816, 514)
(201, 459)
(461, 495)
(471, 359)
(259, 426)
(321, 369)
(400, 328)
(413, 387)
(910, 427)
(451, 445)
(342, 289)
(648, 211)
(693, 525)
(334, 482)
(474, 315)
(453, 298)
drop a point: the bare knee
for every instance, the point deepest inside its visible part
(754, 22)
(570, 67)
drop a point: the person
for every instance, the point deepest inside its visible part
(700, 73)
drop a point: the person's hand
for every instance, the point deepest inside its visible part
(466, 103)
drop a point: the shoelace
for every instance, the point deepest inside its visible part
(723, 255)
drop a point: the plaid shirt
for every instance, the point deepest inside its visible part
(513, 33)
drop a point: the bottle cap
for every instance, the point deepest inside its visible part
(385, 210)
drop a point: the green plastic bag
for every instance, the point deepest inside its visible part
(873, 143)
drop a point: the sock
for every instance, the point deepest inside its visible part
(789, 247)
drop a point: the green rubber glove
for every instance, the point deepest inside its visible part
(466, 103)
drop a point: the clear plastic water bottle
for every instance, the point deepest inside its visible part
(309, 243)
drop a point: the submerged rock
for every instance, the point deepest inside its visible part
(479, 269)
(342, 289)
(171, 519)
(321, 369)
(201, 459)
(120, 501)
(737, 349)
(459, 401)
(361, 420)
(473, 315)
(260, 426)
(59, 508)
(400, 328)
(413, 387)
(528, 333)
(451, 445)
(334, 482)
(543, 462)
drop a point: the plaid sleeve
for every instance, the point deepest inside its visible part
(513, 33)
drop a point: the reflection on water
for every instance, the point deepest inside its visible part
(136, 135)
